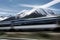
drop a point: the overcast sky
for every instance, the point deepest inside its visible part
(12, 7)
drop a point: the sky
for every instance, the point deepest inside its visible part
(12, 7)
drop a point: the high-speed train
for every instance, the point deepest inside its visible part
(40, 18)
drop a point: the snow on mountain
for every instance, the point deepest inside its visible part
(22, 14)
(37, 13)
(3, 18)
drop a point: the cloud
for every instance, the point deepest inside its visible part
(50, 3)
(54, 9)
(53, 2)
(3, 13)
(1, 9)
(27, 5)
(7, 11)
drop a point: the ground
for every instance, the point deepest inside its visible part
(32, 35)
